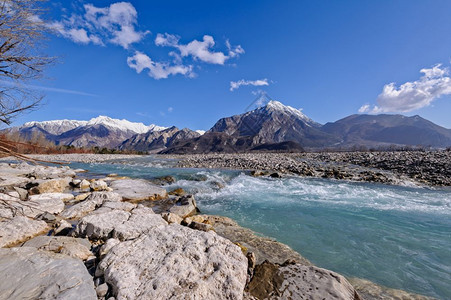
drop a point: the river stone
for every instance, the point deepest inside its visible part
(28, 273)
(175, 262)
(171, 218)
(100, 225)
(185, 206)
(49, 202)
(138, 189)
(84, 184)
(19, 229)
(98, 185)
(100, 197)
(141, 220)
(58, 185)
(296, 281)
(74, 247)
(92, 202)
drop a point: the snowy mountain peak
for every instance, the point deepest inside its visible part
(60, 126)
(120, 124)
(56, 126)
(274, 105)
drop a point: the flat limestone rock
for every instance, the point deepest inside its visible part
(74, 247)
(93, 201)
(296, 281)
(37, 204)
(57, 185)
(100, 225)
(141, 220)
(19, 229)
(110, 221)
(28, 273)
(175, 262)
(138, 190)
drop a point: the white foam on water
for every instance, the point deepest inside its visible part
(328, 192)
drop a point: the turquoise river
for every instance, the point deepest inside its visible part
(399, 237)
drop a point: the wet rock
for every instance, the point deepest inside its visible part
(19, 229)
(263, 247)
(258, 173)
(275, 175)
(370, 290)
(164, 180)
(138, 190)
(73, 247)
(28, 273)
(290, 280)
(184, 206)
(175, 261)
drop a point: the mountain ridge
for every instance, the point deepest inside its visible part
(274, 126)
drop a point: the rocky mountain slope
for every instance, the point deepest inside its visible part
(154, 141)
(373, 130)
(272, 127)
(275, 123)
(98, 132)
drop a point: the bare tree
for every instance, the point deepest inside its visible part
(21, 35)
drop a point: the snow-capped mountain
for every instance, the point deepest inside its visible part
(102, 131)
(57, 127)
(123, 124)
(275, 123)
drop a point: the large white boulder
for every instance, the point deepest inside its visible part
(296, 281)
(175, 262)
(28, 273)
(118, 221)
(19, 229)
(138, 189)
(74, 247)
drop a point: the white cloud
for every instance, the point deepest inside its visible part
(115, 24)
(157, 70)
(170, 109)
(199, 50)
(409, 96)
(236, 84)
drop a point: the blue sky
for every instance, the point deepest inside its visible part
(330, 58)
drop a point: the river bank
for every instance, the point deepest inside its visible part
(90, 217)
(430, 168)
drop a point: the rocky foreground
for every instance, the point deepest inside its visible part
(432, 168)
(63, 236)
